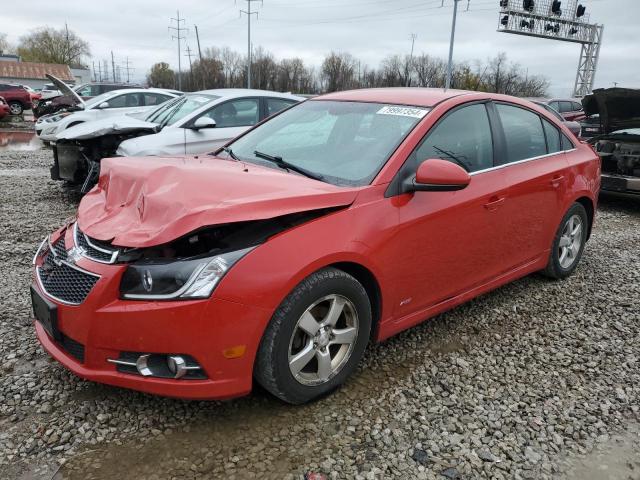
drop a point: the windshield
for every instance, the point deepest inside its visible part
(345, 143)
(171, 112)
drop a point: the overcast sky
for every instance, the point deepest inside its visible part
(368, 29)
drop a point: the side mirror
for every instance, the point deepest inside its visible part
(103, 105)
(437, 175)
(203, 122)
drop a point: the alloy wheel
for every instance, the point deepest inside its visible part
(15, 109)
(323, 340)
(570, 242)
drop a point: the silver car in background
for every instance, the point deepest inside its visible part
(194, 123)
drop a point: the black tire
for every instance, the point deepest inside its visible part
(272, 362)
(554, 268)
(16, 108)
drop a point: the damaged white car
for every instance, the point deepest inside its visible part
(194, 123)
(108, 105)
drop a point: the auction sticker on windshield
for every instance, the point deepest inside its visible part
(403, 111)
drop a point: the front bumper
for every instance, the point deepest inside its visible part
(104, 326)
(620, 184)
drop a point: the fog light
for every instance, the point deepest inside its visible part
(159, 365)
(177, 366)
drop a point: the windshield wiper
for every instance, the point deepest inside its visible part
(453, 157)
(288, 166)
(229, 152)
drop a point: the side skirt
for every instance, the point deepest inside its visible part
(393, 326)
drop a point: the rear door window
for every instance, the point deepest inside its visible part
(242, 112)
(154, 99)
(553, 137)
(566, 143)
(566, 107)
(462, 137)
(274, 105)
(523, 132)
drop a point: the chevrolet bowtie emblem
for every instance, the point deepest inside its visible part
(74, 255)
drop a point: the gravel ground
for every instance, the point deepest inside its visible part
(538, 379)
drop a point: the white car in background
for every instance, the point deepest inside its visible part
(194, 123)
(110, 104)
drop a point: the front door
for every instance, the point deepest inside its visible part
(450, 242)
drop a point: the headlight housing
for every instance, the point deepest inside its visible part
(178, 279)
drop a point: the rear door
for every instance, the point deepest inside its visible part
(536, 169)
(451, 242)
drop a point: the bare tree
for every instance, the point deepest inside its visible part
(49, 45)
(337, 71)
(5, 46)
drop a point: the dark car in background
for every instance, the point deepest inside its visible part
(613, 122)
(570, 124)
(570, 109)
(16, 97)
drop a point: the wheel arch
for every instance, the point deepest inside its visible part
(371, 285)
(589, 206)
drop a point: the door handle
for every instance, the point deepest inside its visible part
(556, 181)
(494, 203)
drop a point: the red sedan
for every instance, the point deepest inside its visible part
(343, 220)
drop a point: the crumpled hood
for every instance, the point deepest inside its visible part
(618, 107)
(66, 90)
(106, 126)
(147, 201)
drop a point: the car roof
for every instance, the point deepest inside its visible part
(246, 92)
(422, 97)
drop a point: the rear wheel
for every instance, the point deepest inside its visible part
(15, 108)
(568, 244)
(316, 337)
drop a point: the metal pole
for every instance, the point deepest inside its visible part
(453, 35)
(200, 55)
(249, 45)
(113, 67)
(179, 60)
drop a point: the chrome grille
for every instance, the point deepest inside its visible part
(60, 279)
(94, 249)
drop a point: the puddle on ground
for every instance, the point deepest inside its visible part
(616, 459)
(20, 141)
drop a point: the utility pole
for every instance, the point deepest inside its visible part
(189, 54)
(200, 56)
(178, 36)
(248, 12)
(413, 37)
(106, 69)
(68, 49)
(113, 67)
(95, 79)
(453, 35)
(129, 69)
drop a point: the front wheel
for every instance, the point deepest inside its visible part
(15, 108)
(316, 337)
(568, 244)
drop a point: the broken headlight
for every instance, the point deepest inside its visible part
(178, 279)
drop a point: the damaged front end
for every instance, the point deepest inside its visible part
(620, 154)
(191, 266)
(77, 153)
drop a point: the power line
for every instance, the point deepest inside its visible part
(248, 13)
(178, 29)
